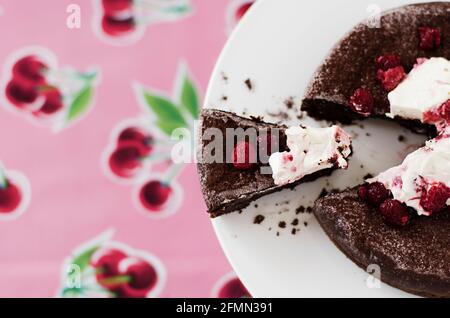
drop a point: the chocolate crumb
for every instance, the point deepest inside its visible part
(401, 138)
(224, 98)
(240, 211)
(368, 134)
(300, 209)
(270, 229)
(289, 103)
(224, 77)
(278, 233)
(323, 193)
(306, 224)
(249, 84)
(368, 176)
(295, 222)
(282, 224)
(309, 209)
(294, 231)
(256, 206)
(258, 219)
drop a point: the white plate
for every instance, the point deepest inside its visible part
(278, 46)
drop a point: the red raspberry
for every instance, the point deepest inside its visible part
(362, 192)
(444, 111)
(394, 213)
(377, 193)
(362, 102)
(244, 156)
(387, 61)
(430, 39)
(435, 199)
(391, 78)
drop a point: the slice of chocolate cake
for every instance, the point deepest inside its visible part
(415, 258)
(371, 61)
(242, 159)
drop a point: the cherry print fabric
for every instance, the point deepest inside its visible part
(91, 204)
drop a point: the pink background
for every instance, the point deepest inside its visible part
(72, 200)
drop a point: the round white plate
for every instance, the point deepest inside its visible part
(278, 46)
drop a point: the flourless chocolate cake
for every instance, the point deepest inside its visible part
(356, 61)
(415, 258)
(227, 188)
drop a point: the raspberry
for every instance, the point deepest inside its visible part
(377, 193)
(387, 61)
(244, 156)
(430, 39)
(394, 213)
(391, 78)
(444, 111)
(435, 199)
(362, 192)
(362, 102)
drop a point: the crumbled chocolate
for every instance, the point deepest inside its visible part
(294, 231)
(289, 103)
(224, 98)
(258, 219)
(323, 193)
(401, 138)
(368, 176)
(294, 222)
(249, 84)
(305, 224)
(282, 224)
(300, 209)
(309, 210)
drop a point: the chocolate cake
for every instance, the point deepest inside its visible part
(415, 259)
(226, 188)
(356, 60)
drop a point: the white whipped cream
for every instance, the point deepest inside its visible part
(430, 164)
(425, 88)
(311, 150)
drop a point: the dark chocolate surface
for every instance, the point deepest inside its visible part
(415, 258)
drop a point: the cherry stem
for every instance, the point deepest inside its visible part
(87, 77)
(156, 157)
(173, 172)
(162, 5)
(116, 280)
(3, 180)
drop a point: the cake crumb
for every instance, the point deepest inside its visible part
(249, 84)
(282, 224)
(305, 224)
(401, 138)
(258, 219)
(294, 231)
(294, 222)
(300, 209)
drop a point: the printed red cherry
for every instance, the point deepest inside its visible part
(20, 94)
(52, 104)
(391, 78)
(430, 38)
(377, 193)
(387, 61)
(154, 195)
(362, 102)
(125, 161)
(116, 27)
(10, 197)
(435, 199)
(106, 261)
(30, 70)
(244, 156)
(141, 139)
(233, 289)
(113, 7)
(242, 10)
(142, 277)
(394, 213)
